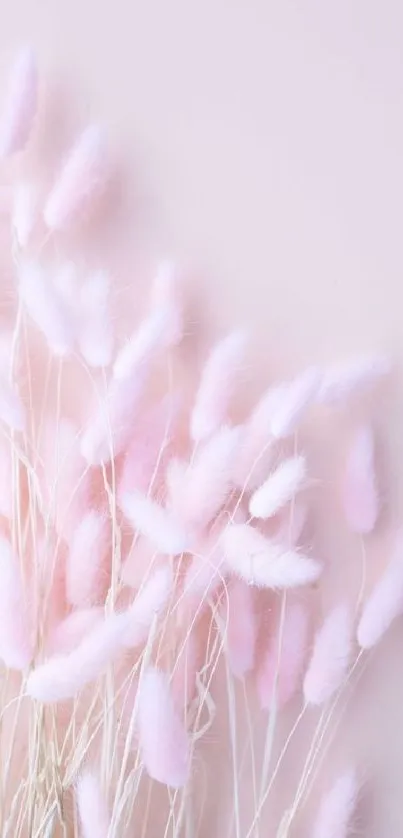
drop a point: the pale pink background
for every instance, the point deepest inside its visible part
(264, 146)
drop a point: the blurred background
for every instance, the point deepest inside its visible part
(260, 143)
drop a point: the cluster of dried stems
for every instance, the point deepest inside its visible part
(145, 538)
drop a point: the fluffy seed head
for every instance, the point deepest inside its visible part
(336, 808)
(164, 745)
(359, 490)
(149, 603)
(206, 482)
(88, 561)
(283, 657)
(330, 657)
(217, 385)
(156, 523)
(291, 402)
(20, 106)
(384, 604)
(25, 204)
(80, 181)
(109, 429)
(96, 337)
(264, 563)
(279, 489)
(240, 627)
(63, 676)
(91, 804)
(351, 378)
(46, 309)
